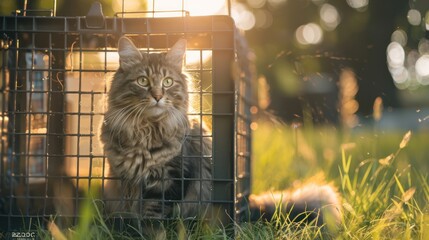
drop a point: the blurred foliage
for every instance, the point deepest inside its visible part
(358, 42)
(7, 7)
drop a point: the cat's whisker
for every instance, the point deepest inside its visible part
(112, 120)
(120, 118)
(140, 111)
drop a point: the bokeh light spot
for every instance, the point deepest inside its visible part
(254, 126)
(399, 36)
(309, 34)
(399, 74)
(423, 46)
(414, 17)
(244, 19)
(411, 58)
(427, 21)
(395, 55)
(358, 4)
(329, 16)
(264, 18)
(422, 66)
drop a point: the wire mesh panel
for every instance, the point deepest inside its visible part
(55, 73)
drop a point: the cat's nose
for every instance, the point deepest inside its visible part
(157, 97)
(156, 93)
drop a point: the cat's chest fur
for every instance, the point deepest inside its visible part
(143, 152)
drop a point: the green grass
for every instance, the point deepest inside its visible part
(381, 176)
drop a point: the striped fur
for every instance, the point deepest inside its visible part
(146, 133)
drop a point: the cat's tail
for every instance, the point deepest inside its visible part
(319, 202)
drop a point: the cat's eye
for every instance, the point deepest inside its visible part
(143, 81)
(167, 82)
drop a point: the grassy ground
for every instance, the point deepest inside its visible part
(381, 176)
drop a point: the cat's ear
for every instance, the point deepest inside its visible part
(176, 54)
(129, 55)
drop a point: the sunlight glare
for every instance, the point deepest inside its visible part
(111, 59)
(196, 59)
(127, 6)
(204, 7)
(195, 7)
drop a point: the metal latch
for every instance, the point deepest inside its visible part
(95, 16)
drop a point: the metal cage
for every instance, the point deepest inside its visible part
(54, 78)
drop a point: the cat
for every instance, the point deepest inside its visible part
(146, 132)
(147, 135)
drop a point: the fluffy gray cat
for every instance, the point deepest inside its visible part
(147, 137)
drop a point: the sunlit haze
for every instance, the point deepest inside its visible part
(174, 8)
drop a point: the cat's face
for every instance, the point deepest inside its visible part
(153, 83)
